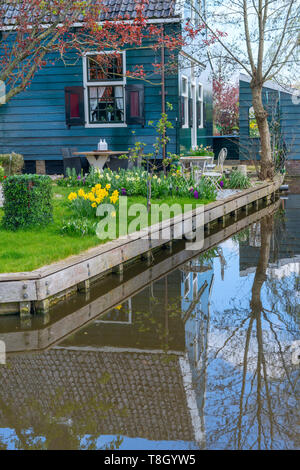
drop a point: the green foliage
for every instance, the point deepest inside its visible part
(12, 163)
(242, 236)
(1, 174)
(201, 152)
(134, 183)
(78, 227)
(239, 181)
(28, 201)
(72, 179)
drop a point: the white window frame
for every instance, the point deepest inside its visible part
(200, 100)
(87, 84)
(185, 95)
(186, 288)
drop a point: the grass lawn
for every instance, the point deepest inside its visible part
(26, 250)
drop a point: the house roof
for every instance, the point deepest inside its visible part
(272, 85)
(154, 9)
(143, 393)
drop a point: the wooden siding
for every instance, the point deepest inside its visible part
(289, 116)
(33, 123)
(231, 142)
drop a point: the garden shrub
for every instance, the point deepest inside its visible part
(238, 180)
(28, 201)
(12, 163)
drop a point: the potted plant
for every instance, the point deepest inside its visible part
(235, 130)
(201, 151)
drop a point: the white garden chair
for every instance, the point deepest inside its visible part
(213, 178)
(210, 164)
(198, 169)
(222, 157)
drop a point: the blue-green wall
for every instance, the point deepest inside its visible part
(33, 123)
(289, 113)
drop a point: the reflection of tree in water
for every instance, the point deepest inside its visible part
(254, 405)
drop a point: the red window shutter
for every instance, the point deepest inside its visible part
(74, 103)
(135, 113)
(134, 104)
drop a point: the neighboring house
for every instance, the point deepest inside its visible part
(75, 106)
(283, 107)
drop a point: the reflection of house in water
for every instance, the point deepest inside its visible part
(96, 392)
(123, 374)
(285, 243)
(197, 282)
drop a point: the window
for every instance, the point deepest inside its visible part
(200, 106)
(253, 128)
(186, 284)
(184, 102)
(104, 79)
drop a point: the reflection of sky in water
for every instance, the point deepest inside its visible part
(236, 406)
(233, 294)
(8, 437)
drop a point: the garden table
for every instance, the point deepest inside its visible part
(197, 163)
(98, 158)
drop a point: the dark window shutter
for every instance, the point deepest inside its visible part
(135, 98)
(74, 102)
(190, 112)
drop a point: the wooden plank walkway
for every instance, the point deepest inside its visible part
(77, 271)
(53, 332)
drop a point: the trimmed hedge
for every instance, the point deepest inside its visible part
(12, 163)
(27, 201)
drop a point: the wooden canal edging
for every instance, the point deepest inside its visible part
(20, 292)
(52, 332)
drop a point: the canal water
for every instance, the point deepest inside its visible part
(188, 352)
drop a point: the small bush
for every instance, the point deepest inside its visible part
(1, 174)
(12, 163)
(239, 181)
(28, 201)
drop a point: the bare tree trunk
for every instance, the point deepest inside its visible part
(266, 229)
(261, 115)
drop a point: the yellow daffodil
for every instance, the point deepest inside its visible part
(72, 196)
(108, 186)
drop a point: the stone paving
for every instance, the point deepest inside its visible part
(226, 193)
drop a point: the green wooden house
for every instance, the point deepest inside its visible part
(74, 106)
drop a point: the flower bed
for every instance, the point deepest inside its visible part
(136, 183)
